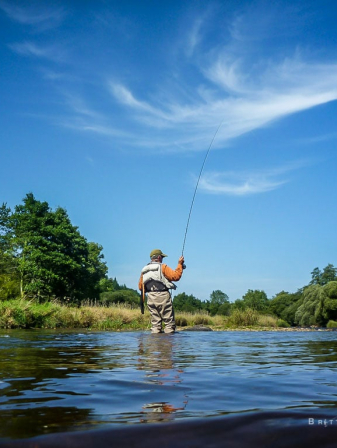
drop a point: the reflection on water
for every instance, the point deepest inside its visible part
(156, 359)
(53, 381)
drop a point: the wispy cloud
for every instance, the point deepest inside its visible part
(31, 49)
(194, 37)
(211, 85)
(243, 103)
(125, 96)
(37, 14)
(228, 87)
(244, 183)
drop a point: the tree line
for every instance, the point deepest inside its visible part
(44, 256)
(312, 305)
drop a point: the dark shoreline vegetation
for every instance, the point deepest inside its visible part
(52, 277)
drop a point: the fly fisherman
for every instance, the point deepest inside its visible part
(156, 280)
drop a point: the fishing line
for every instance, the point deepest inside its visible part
(197, 184)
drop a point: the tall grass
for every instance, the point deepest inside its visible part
(244, 318)
(29, 314)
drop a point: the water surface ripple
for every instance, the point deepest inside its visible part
(54, 381)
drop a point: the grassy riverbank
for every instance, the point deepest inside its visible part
(29, 314)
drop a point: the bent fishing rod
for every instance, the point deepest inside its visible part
(196, 189)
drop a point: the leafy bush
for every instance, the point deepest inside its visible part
(187, 303)
(282, 323)
(319, 305)
(331, 324)
(121, 296)
(285, 305)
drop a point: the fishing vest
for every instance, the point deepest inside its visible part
(154, 279)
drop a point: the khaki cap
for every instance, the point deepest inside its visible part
(157, 252)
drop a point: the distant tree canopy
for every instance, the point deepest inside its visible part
(319, 305)
(113, 293)
(329, 274)
(314, 304)
(256, 300)
(284, 305)
(189, 303)
(219, 303)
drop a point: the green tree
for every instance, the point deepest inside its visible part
(284, 305)
(96, 269)
(219, 303)
(52, 257)
(238, 305)
(327, 307)
(188, 303)
(309, 312)
(316, 275)
(128, 296)
(256, 300)
(328, 274)
(9, 281)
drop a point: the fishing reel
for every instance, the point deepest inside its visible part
(184, 266)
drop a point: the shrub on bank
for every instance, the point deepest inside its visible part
(282, 323)
(25, 314)
(331, 324)
(29, 314)
(184, 319)
(244, 318)
(267, 321)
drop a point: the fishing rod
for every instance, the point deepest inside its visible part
(196, 189)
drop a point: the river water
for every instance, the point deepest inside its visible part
(61, 381)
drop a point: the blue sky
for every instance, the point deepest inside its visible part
(107, 109)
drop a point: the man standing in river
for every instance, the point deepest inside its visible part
(156, 279)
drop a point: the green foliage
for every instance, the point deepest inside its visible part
(111, 284)
(328, 306)
(21, 313)
(256, 300)
(219, 303)
(319, 305)
(331, 324)
(9, 280)
(307, 313)
(318, 277)
(96, 269)
(238, 305)
(282, 323)
(25, 314)
(122, 296)
(285, 305)
(188, 303)
(49, 256)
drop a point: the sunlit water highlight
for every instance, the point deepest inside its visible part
(52, 381)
